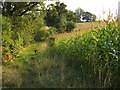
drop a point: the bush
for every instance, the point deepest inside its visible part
(42, 34)
(60, 24)
(52, 31)
(11, 47)
(6, 31)
(70, 26)
(7, 42)
(27, 37)
(26, 28)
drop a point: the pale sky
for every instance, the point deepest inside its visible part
(94, 6)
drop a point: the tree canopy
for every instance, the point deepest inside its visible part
(57, 16)
(82, 15)
(21, 8)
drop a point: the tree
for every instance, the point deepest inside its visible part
(57, 16)
(79, 13)
(93, 18)
(26, 19)
(87, 16)
(71, 16)
(21, 8)
(70, 26)
(82, 15)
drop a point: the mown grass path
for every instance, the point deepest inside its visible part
(25, 67)
(38, 70)
(29, 51)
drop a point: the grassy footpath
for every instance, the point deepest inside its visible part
(24, 71)
(37, 70)
(41, 70)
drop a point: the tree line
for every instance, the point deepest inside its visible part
(82, 15)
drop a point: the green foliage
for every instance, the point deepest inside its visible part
(14, 9)
(87, 16)
(57, 16)
(24, 29)
(82, 15)
(52, 31)
(78, 13)
(60, 25)
(6, 31)
(93, 18)
(8, 51)
(70, 26)
(70, 16)
(19, 32)
(107, 41)
(22, 23)
(44, 33)
(96, 53)
(28, 26)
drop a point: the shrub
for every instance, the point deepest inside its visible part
(60, 24)
(11, 46)
(26, 27)
(6, 31)
(52, 31)
(7, 42)
(42, 34)
(27, 37)
(70, 26)
(7, 56)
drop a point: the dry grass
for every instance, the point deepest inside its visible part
(11, 77)
(36, 71)
(82, 28)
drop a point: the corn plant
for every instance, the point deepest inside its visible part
(99, 51)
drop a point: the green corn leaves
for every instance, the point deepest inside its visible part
(100, 46)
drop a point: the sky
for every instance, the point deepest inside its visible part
(94, 6)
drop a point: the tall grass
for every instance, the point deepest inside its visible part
(94, 56)
(45, 69)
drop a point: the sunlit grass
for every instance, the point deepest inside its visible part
(41, 70)
(49, 69)
(34, 70)
(81, 28)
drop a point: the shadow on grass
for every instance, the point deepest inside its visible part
(34, 70)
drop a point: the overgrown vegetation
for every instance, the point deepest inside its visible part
(33, 57)
(94, 56)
